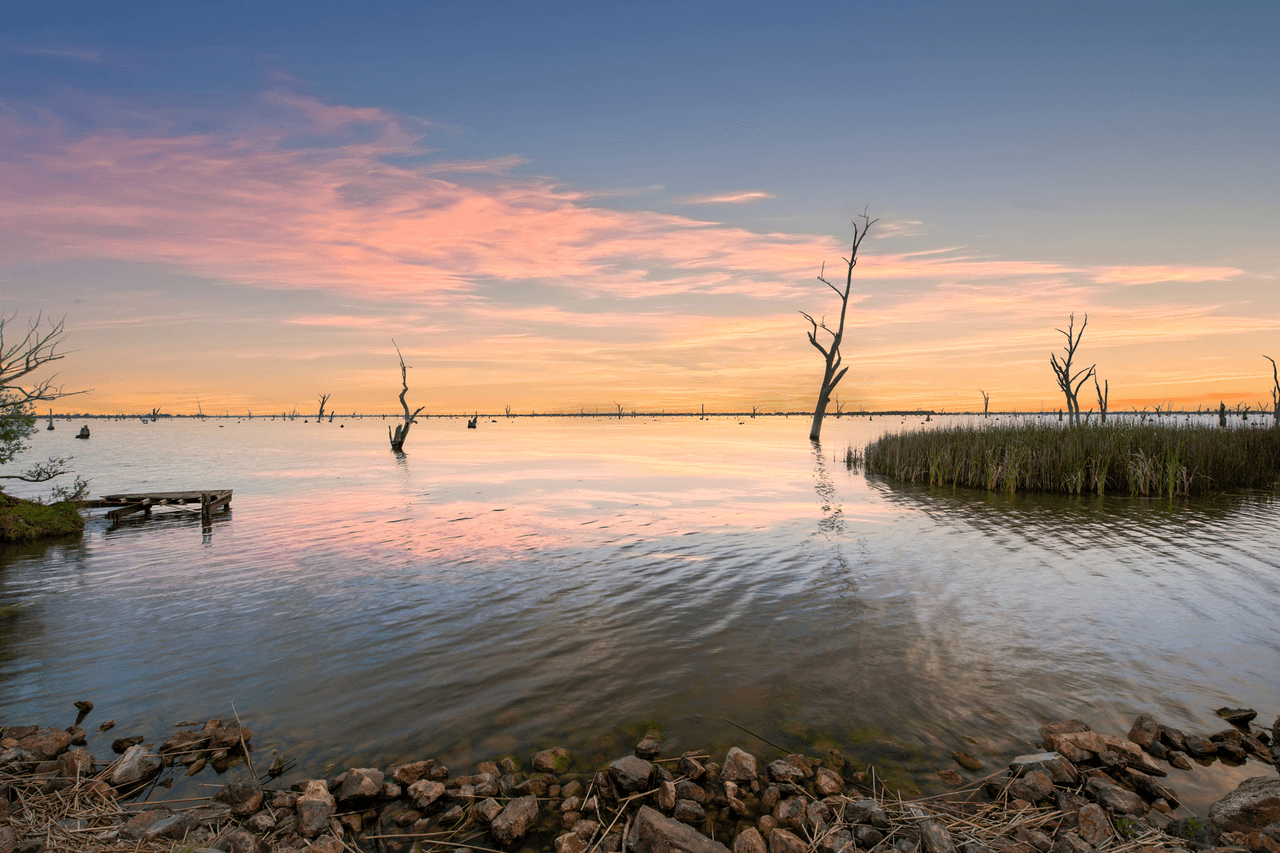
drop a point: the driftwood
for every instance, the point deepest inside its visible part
(402, 430)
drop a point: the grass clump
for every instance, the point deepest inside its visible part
(25, 521)
(1135, 459)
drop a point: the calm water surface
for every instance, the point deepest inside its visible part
(563, 581)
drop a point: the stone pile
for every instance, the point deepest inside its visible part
(1087, 792)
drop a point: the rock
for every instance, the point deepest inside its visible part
(867, 836)
(361, 783)
(951, 777)
(834, 759)
(1052, 764)
(1200, 747)
(45, 744)
(74, 765)
(631, 774)
(138, 826)
(586, 828)
(407, 774)
(782, 841)
(1114, 798)
(1150, 788)
(767, 824)
(261, 823)
(106, 725)
(554, 760)
(244, 798)
(686, 790)
(486, 810)
(1095, 827)
(424, 792)
(1237, 716)
(182, 746)
(783, 771)
(740, 766)
(1033, 838)
(691, 767)
(1254, 804)
(837, 841)
(569, 843)
(1034, 786)
(749, 841)
(687, 811)
(229, 737)
(1145, 732)
(134, 766)
(790, 812)
(829, 783)
(1178, 760)
(121, 744)
(651, 832)
(867, 811)
(514, 820)
(1198, 832)
(934, 837)
(453, 816)
(237, 840)
(1173, 738)
(801, 763)
(648, 748)
(1060, 727)
(314, 808)
(666, 796)
(1070, 842)
(967, 761)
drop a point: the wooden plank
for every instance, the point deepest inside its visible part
(130, 509)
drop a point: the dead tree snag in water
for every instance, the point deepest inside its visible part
(1275, 392)
(1062, 369)
(324, 398)
(986, 401)
(402, 430)
(833, 372)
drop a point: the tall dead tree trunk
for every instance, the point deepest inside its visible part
(1067, 380)
(324, 398)
(402, 430)
(1103, 393)
(833, 372)
(1275, 392)
(986, 401)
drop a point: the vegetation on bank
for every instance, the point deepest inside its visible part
(26, 521)
(1135, 459)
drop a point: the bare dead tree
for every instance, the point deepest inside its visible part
(619, 405)
(1069, 382)
(986, 401)
(402, 430)
(833, 371)
(21, 356)
(1275, 392)
(324, 398)
(1103, 392)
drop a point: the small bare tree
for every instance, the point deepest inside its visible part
(1103, 392)
(324, 398)
(1275, 392)
(402, 430)
(833, 372)
(986, 401)
(1069, 382)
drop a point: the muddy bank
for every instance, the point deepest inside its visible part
(1088, 791)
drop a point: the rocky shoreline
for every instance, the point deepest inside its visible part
(1086, 792)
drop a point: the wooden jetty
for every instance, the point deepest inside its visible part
(128, 504)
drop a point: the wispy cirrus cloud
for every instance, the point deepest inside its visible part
(78, 54)
(743, 197)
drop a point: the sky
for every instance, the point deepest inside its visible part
(564, 206)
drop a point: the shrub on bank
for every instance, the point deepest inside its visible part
(26, 521)
(1135, 459)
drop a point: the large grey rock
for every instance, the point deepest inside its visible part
(631, 774)
(315, 807)
(740, 766)
(514, 820)
(1254, 804)
(654, 833)
(135, 765)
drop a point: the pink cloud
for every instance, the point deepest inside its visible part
(726, 198)
(1154, 274)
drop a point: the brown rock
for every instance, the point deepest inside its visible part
(666, 795)
(486, 810)
(782, 841)
(740, 766)
(1114, 798)
(1145, 731)
(1178, 760)
(1034, 786)
(951, 777)
(934, 837)
(554, 760)
(648, 748)
(244, 797)
(1237, 716)
(1052, 764)
(314, 808)
(790, 812)
(1173, 738)
(361, 783)
(1095, 826)
(1060, 727)
(691, 767)
(514, 820)
(767, 824)
(968, 761)
(569, 843)
(134, 766)
(1201, 747)
(801, 763)
(1070, 842)
(45, 744)
(1254, 804)
(407, 774)
(75, 764)
(829, 783)
(687, 811)
(424, 792)
(652, 832)
(749, 841)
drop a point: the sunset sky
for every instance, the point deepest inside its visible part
(560, 205)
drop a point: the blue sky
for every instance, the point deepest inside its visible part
(645, 192)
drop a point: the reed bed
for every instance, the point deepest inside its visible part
(1158, 460)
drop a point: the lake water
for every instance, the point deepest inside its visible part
(544, 581)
